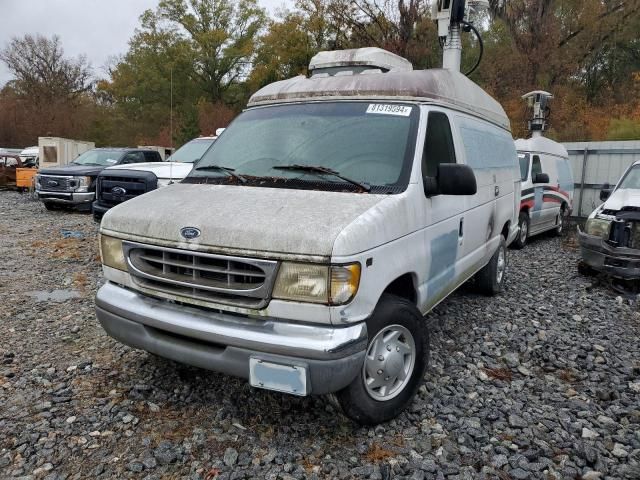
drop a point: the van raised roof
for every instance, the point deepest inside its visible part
(434, 86)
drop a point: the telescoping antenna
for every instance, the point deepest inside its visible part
(450, 16)
(171, 127)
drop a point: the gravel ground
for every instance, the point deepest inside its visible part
(540, 382)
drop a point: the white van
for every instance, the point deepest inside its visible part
(547, 180)
(304, 248)
(547, 187)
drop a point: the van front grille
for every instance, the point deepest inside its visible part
(238, 281)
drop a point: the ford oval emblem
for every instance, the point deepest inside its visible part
(190, 232)
(52, 183)
(118, 191)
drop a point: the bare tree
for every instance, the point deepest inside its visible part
(42, 72)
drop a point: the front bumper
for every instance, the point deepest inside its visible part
(224, 342)
(621, 262)
(67, 198)
(98, 210)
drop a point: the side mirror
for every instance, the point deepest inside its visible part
(452, 179)
(219, 131)
(541, 178)
(605, 192)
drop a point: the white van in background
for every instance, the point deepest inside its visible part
(547, 180)
(304, 248)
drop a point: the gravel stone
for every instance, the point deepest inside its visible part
(539, 382)
(230, 457)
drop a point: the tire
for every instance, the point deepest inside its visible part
(560, 225)
(523, 232)
(490, 279)
(372, 405)
(50, 206)
(586, 270)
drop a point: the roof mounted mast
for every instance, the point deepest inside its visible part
(450, 17)
(538, 104)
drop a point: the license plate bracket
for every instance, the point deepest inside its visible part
(280, 377)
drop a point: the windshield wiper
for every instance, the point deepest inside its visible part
(227, 170)
(325, 171)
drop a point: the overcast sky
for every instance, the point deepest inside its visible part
(97, 28)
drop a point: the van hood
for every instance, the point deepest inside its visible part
(623, 197)
(176, 170)
(274, 220)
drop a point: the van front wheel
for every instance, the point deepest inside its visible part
(396, 359)
(491, 278)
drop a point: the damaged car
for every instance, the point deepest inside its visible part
(610, 242)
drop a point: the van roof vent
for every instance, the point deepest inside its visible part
(358, 60)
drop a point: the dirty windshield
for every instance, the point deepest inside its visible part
(309, 145)
(98, 157)
(191, 152)
(631, 179)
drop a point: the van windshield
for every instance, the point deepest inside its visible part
(524, 165)
(366, 143)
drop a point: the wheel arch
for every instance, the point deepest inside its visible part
(404, 286)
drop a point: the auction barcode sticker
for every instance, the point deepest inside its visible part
(389, 109)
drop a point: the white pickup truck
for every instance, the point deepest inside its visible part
(120, 183)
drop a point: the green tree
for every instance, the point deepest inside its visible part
(221, 34)
(156, 72)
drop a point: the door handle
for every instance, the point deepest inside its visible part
(496, 190)
(460, 231)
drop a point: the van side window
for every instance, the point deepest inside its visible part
(536, 167)
(438, 144)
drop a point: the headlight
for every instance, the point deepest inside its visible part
(80, 184)
(333, 285)
(598, 227)
(165, 182)
(111, 252)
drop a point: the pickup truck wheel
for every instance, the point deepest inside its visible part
(396, 359)
(50, 206)
(491, 278)
(523, 232)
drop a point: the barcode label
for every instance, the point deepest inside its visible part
(389, 109)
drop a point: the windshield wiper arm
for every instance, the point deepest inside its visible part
(325, 171)
(227, 170)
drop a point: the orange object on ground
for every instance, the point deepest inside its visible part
(24, 177)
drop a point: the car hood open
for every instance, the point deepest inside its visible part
(256, 219)
(623, 197)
